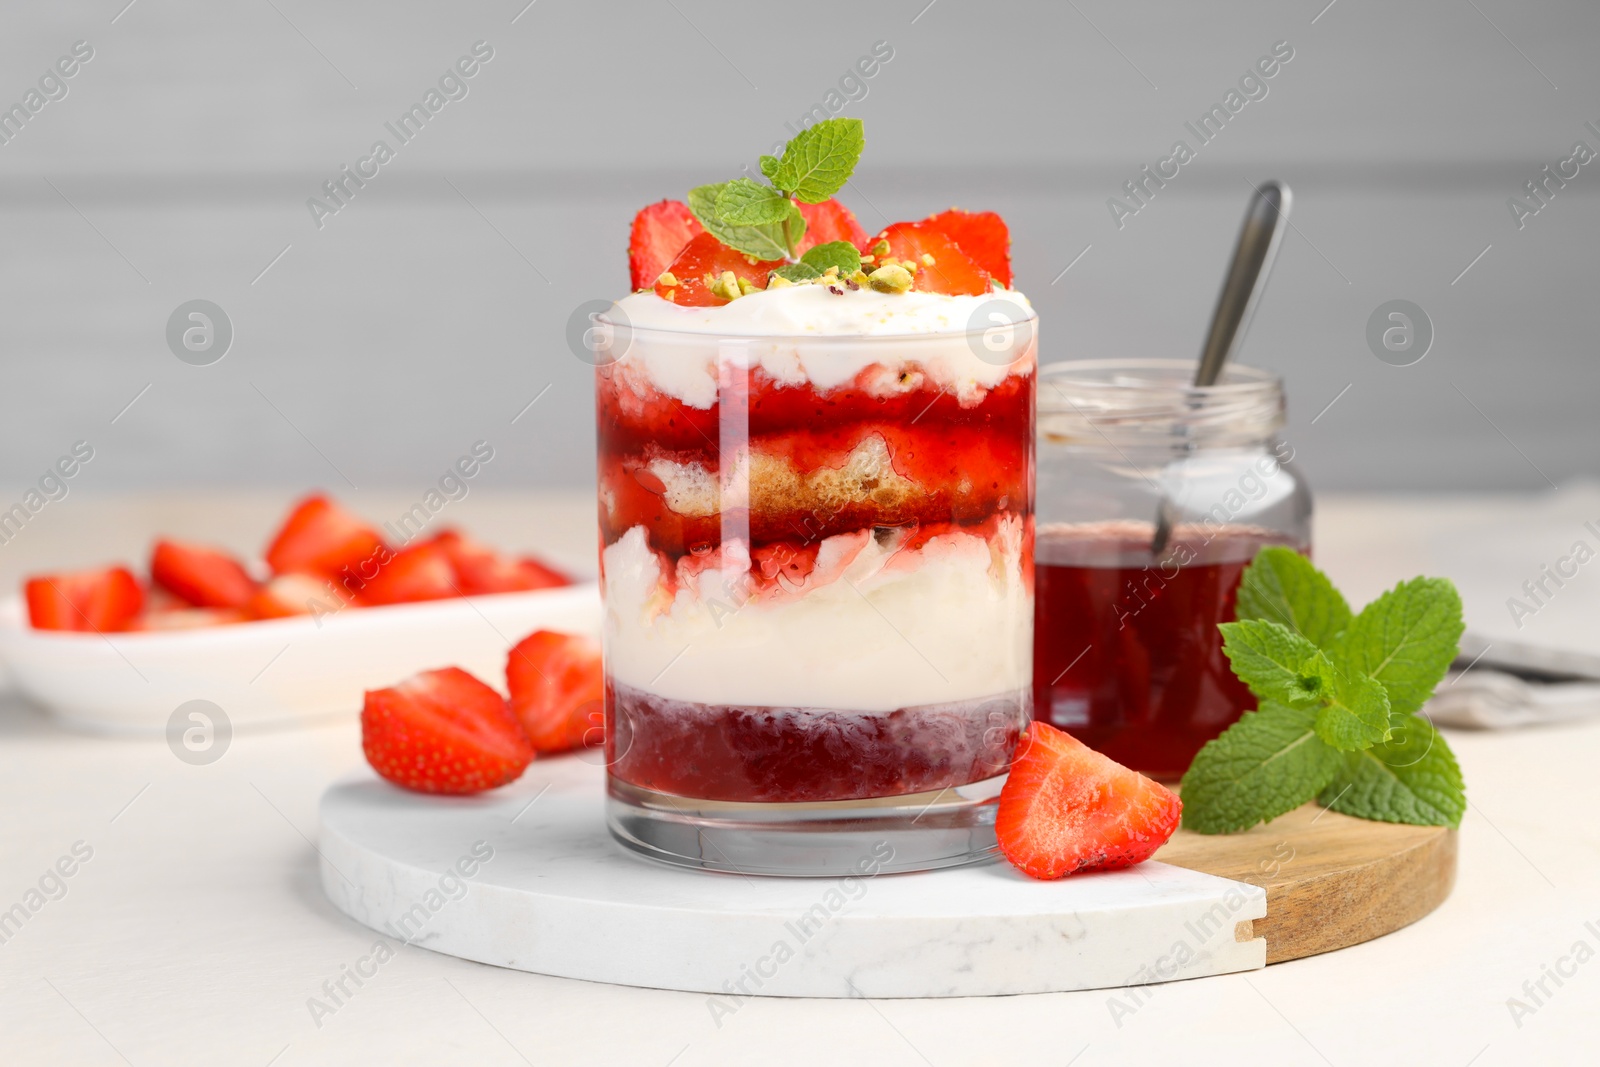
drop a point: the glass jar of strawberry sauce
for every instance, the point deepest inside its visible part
(1127, 655)
(816, 555)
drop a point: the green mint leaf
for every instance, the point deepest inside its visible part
(794, 228)
(764, 242)
(1406, 639)
(1357, 712)
(798, 272)
(743, 202)
(1269, 762)
(769, 166)
(1411, 778)
(841, 254)
(1276, 663)
(1282, 586)
(819, 160)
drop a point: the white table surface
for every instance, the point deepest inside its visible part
(197, 931)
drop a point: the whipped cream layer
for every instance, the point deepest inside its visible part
(875, 628)
(807, 335)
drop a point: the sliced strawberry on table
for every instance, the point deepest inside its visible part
(1067, 808)
(443, 731)
(829, 221)
(659, 233)
(982, 235)
(418, 572)
(105, 599)
(557, 689)
(320, 537)
(481, 569)
(203, 576)
(295, 594)
(946, 269)
(706, 257)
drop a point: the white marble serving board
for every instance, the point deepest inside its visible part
(529, 878)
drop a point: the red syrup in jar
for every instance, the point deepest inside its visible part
(1126, 653)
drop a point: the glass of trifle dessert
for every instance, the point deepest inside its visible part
(816, 518)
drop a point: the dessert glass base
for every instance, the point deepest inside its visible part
(949, 827)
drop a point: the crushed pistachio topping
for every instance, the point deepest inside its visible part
(881, 248)
(927, 259)
(667, 278)
(890, 278)
(727, 286)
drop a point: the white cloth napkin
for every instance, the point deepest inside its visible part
(1504, 684)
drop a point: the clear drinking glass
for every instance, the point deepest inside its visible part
(817, 564)
(1127, 655)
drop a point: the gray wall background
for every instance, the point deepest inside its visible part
(431, 310)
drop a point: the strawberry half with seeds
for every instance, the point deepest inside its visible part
(829, 221)
(706, 256)
(481, 569)
(203, 576)
(946, 269)
(417, 572)
(1067, 808)
(557, 690)
(319, 537)
(981, 235)
(102, 600)
(443, 732)
(660, 232)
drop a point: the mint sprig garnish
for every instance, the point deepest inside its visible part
(1338, 696)
(763, 220)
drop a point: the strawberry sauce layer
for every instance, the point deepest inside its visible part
(799, 755)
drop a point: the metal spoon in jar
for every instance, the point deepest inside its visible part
(1264, 223)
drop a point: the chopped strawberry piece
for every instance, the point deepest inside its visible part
(320, 537)
(830, 221)
(100, 600)
(190, 618)
(1067, 808)
(557, 690)
(981, 235)
(706, 257)
(951, 271)
(659, 233)
(783, 563)
(443, 732)
(295, 594)
(419, 572)
(480, 569)
(203, 576)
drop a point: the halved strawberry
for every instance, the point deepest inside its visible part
(109, 598)
(443, 732)
(830, 221)
(295, 594)
(320, 537)
(951, 271)
(481, 569)
(189, 618)
(704, 257)
(203, 576)
(982, 235)
(557, 690)
(1067, 808)
(419, 572)
(659, 233)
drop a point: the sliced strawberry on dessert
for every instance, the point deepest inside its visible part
(101, 600)
(295, 594)
(203, 576)
(557, 690)
(320, 537)
(703, 261)
(659, 233)
(419, 572)
(1067, 808)
(829, 221)
(939, 264)
(443, 732)
(480, 569)
(982, 235)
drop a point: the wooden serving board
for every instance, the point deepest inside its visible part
(1331, 880)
